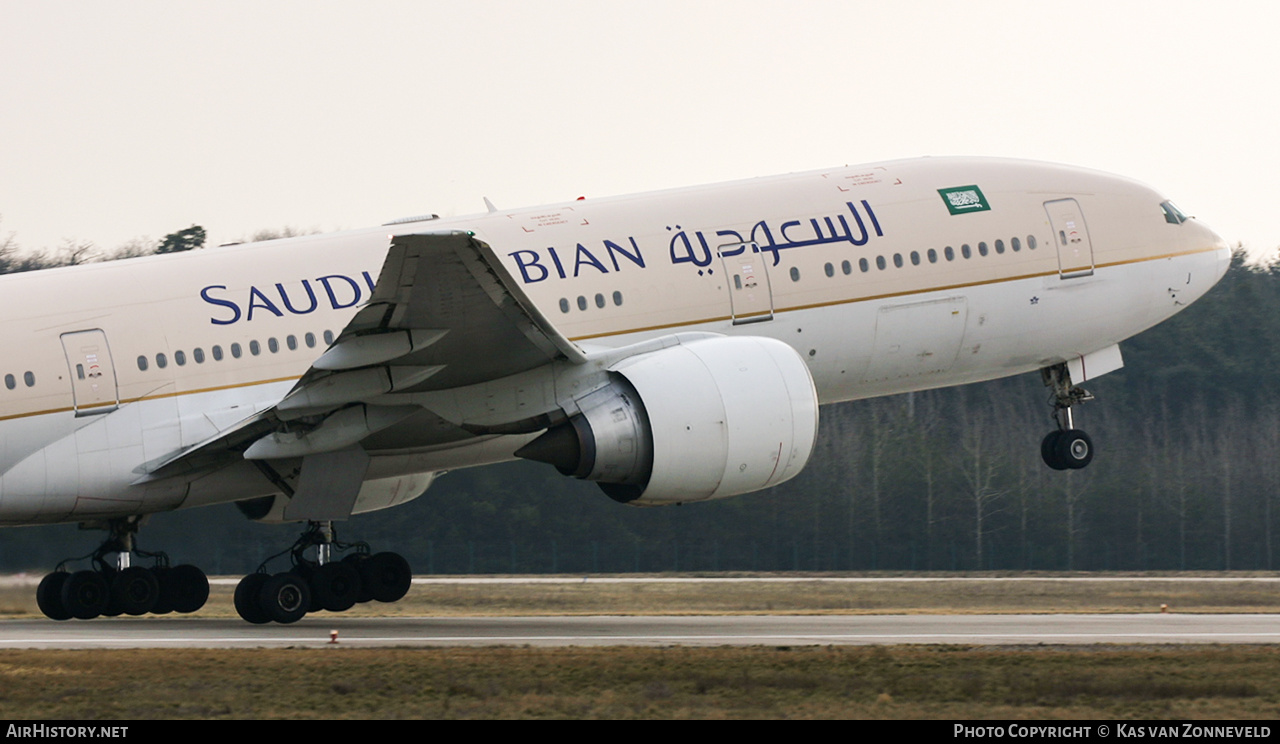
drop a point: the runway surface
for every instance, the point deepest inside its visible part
(773, 630)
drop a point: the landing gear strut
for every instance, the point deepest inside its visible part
(115, 587)
(1066, 448)
(321, 583)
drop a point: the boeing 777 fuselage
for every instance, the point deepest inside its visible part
(672, 346)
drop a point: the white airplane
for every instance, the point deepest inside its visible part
(673, 347)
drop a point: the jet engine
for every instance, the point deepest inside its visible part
(699, 420)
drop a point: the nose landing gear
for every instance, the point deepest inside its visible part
(1067, 448)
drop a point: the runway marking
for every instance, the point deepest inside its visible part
(745, 639)
(33, 580)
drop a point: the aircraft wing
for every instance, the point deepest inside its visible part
(444, 313)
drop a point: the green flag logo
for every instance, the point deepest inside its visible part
(961, 199)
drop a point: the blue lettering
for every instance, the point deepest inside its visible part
(556, 257)
(284, 296)
(635, 258)
(235, 309)
(333, 299)
(874, 222)
(591, 260)
(686, 248)
(368, 280)
(861, 227)
(532, 263)
(254, 295)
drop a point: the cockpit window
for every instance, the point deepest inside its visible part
(1172, 214)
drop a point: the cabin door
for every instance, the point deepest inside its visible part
(93, 375)
(1071, 235)
(750, 296)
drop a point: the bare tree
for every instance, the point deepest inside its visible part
(288, 231)
(76, 252)
(979, 461)
(8, 252)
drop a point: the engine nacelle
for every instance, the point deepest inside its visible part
(701, 420)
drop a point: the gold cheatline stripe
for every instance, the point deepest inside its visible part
(868, 298)
(153, 397)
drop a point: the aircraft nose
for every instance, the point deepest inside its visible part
(1205, 239)
(1221, 249)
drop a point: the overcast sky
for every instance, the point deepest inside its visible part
(126, 119)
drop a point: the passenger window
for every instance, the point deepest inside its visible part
(966, 251)
(982, 249)
(880, 264)
(950, 253)
(198, 355)
(1015, 244)
(292, 342)
(599, 300)
(10, 382)
(863, 266)
(795, 274)
(564, 304)
(217, 353)
(180, 358)
(255, 348)
(846, 267)
(29, 378)
(142, 363)
(582, 302)
(617, 299)
(161, 361)
(328, 338)
(310, 340)
(933, 256)
(999, 246)
(829, 270)
(235, 350)
(1031, 242)
(273, 344)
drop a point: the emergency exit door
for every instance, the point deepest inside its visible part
(93, 375)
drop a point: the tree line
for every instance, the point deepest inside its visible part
(1185, 477)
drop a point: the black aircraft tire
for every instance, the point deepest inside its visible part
(189, 589)
(164, 602)
(1075, 449)
(49, 596)
(387, 576)
(336, 586)
(85, 594)
(357, 561)
(285, 597)
(1049, 450)
(134, 591)
(246, 599)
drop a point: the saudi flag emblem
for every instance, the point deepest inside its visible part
(961, 199)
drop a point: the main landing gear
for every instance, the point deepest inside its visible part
(1067, 448)
(321, 583)
(114, 588)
